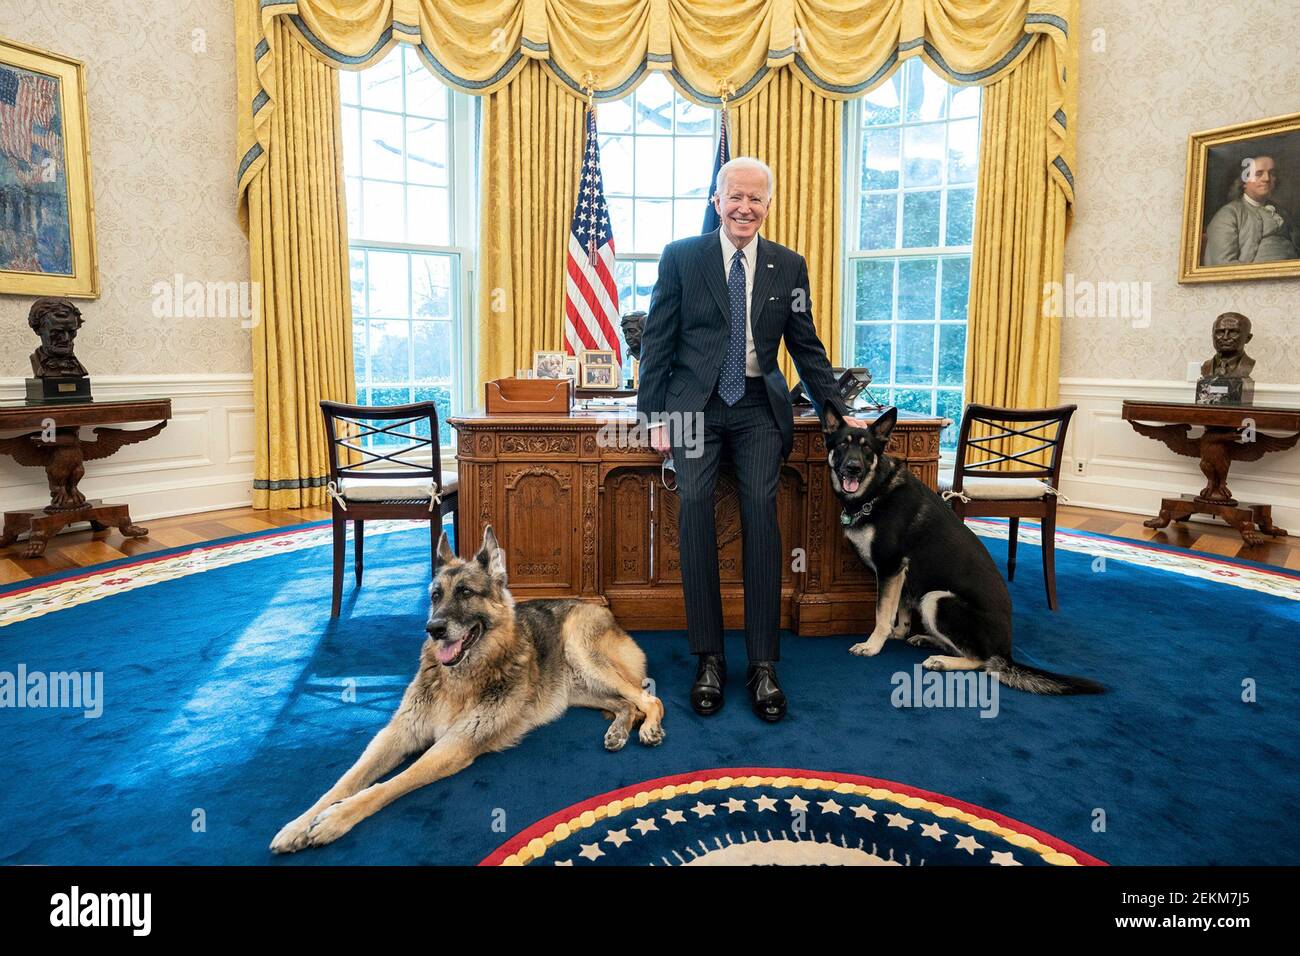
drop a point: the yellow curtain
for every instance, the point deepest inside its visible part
(1021, 214)
(531, 148)
(294, 211)
(799, 133)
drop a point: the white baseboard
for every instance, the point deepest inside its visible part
(202, 460)
(1127, 472)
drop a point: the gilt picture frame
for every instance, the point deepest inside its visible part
(47, 218)
(1242, 202)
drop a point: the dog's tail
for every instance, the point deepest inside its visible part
(1036, 681)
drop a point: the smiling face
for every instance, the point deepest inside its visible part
(467, 600)
(742, 203)
(1259, 178)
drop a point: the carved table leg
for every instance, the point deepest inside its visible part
(1263, 515)
(1159, 521)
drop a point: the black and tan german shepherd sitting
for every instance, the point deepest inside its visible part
(927, 562)
(490, 671)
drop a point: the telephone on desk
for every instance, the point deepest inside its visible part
(851, 382)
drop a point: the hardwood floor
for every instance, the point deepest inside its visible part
(79, 549)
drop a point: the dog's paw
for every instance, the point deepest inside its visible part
(934, 662)
(919, 640)
(867, 648)
(292, 836)
(615, 738)
(652, 736)
(330, 824)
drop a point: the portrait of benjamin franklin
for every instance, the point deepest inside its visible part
(1252, 189)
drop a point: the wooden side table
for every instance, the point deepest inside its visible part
(58, 448)
(1225, 439)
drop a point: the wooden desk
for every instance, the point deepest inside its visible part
(580, 517)
(1217, 448)
(58, 449)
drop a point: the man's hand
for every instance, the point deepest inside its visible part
(659, 440)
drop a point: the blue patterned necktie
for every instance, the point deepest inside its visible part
(731, 383)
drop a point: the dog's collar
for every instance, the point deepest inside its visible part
(848, 518)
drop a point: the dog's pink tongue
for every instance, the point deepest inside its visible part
(851, 485)
(447, 652)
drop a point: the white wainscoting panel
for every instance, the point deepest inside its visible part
(1124, 471)
(202, 460)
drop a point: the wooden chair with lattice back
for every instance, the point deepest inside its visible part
(372, 475)
(1010, 480)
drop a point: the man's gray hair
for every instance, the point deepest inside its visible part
(745, 162)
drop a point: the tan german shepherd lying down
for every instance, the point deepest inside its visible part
(490, 672)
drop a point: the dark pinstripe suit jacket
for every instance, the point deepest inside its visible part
(686, 331)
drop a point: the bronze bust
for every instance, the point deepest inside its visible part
(1231, 333)
(56, 321)
(633, 324)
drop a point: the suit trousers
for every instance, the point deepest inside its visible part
(748, 432)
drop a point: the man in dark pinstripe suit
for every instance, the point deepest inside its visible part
(722, 305)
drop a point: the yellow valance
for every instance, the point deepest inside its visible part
(840, 48)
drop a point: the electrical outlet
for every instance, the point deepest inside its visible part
(1080, 466)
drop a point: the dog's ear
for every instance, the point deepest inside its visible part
(445, 553)
(884, 425)
(832, 421)
(492, 557)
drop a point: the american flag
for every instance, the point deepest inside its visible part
(711, 220)
(590, 295)
(26, 101)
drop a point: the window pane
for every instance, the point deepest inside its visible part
(949, 405)
(359, 353)
(349, 89)
(654, 105)
(880, 106)
(875, 290)
(965, 101)
(616, 165)
(432, 341)
(353, 190)
(916, 282)
(426, 151)
(963, 145)
(351, 141)
(614, 117)
(357, 279)
(382, 211)
(441, 396)
(688, 217)
(961, 215)
(381, 84)
(879, 221)
(914, 360)
(647, 273)
(425, 96)
(923, 155)
(873, 350)
(694, 164)
(654, 166)
(381, 145)
(390, 351)
(927, 92)
(431, 287)
(654, 228)
(880, 159)
(429, 218)
(921, 219)
(694, 120)
(952, 354)
(956, 289)
(620, 220)
(623, 272)
(913, 400)
(389, 295)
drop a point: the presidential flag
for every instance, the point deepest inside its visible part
(711, 220)
(590, 294)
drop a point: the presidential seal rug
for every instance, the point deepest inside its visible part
(180, 708)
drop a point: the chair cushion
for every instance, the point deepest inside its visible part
(391, 489)
(998, 489)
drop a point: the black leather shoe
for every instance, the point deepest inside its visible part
(710, 679)
(765, 693)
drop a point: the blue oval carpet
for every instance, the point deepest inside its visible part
(183, 707)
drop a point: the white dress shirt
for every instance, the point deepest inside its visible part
(749, 256)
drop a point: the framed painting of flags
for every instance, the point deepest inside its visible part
(47, 221)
